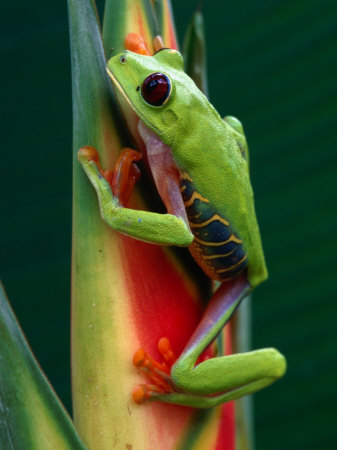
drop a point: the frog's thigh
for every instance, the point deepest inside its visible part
(247, 371)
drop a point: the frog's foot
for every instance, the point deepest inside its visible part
(158, 372)
(135, 43)
(124, 175)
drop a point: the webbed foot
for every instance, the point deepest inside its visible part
(122, 177)
(158, 372)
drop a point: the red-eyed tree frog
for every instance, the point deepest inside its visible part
(199, 163)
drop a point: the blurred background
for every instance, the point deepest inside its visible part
(273, 65)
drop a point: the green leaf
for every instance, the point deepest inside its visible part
(31, 415)
(93, 100)
(195, 52)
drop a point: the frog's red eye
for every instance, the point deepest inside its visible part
(156, 89)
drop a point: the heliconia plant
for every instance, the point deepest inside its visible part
(126, 294)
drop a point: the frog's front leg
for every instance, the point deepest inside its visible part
(220, 379)
(164, 229)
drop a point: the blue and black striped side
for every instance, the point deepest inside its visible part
(216, 247)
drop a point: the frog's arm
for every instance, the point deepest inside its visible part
(163, 229)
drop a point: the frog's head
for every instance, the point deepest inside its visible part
(158, 90)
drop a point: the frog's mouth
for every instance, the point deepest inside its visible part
(119, 87)
(122, 91)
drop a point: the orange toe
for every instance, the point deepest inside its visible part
(88, 153)
(165, 348)
(141, 393)
(135, 43)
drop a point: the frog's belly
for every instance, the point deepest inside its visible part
(216, 247)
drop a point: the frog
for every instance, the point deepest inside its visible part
(200, 166)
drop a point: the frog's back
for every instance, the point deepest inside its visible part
(219, 202)
(216, 247)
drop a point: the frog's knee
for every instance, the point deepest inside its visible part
(235, 124)
(279, 363)
(181, 375)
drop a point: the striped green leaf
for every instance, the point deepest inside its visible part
(31, 415)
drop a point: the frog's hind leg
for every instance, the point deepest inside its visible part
(240, 136)
(164, 387)
(224, 378)
(220, 379)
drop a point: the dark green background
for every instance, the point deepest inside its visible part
(273, 65)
